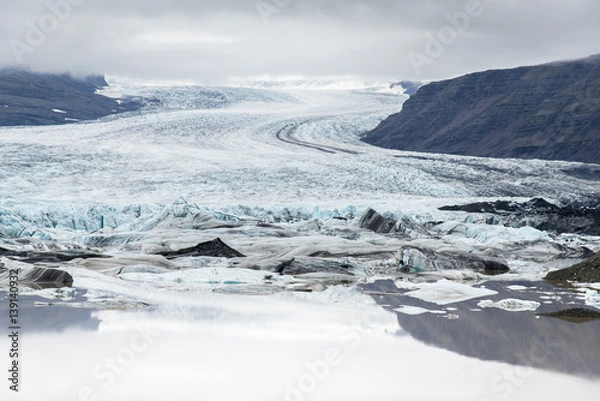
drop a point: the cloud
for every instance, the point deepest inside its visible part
(211, 41)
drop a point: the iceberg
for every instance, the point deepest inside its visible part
(446, 292)
(592, 298)
(510, 305)
(415, 310)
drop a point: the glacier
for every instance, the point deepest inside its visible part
(280, 174)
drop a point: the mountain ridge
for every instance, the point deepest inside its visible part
(29, 98)
(550, 111)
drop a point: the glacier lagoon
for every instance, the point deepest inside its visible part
(281, 176)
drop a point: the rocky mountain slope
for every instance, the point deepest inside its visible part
(587, 271)
(550, 111)
(28, 98)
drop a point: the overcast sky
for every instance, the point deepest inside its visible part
(210, 41)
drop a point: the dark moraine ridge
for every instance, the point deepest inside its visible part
(538, 213)
(550, 111)
(28, 98)
(587, 271)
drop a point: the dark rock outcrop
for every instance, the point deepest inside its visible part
(540, 214)
(418, 259)
(371, 220)
(28, 98)
(551, 111)
(587, 271)
(47, 256)
(215, 248)
(575, 315)
(37, 277)
(307, 265)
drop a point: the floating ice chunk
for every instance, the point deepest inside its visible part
(592, 298)
(517, 287)
(583, 286)
(406, 285)
(551, 297)
(412, 310)
(446, 292)
(416, 310)
(510, 305)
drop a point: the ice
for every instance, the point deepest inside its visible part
(458, 276)
(202, 262)
(249, 289)
(517, 287)
(510, 305)
(64, 294)
(278, 173)
(208, 145)
(446, 292)
(415, 259)
(492, 234)
(414, 310)
(151, 262)
(43, 220)
(592, 298)
(32, 276)
(119, 303)
(589, 285)
(211, 276)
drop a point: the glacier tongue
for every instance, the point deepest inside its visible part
(281, 176)
(209, 145)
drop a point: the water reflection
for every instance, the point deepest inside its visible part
(201, 345)
(49, 319)
(517, 338)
